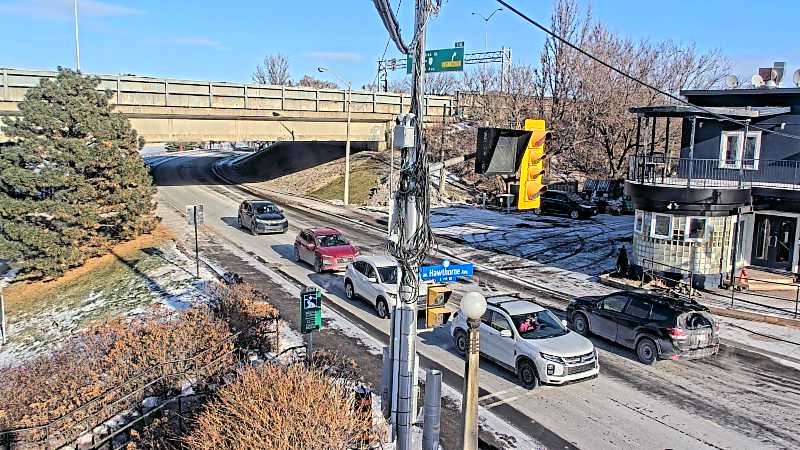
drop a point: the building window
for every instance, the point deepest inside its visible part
(695, 229)
(752, 150)
(638, 222)
(733, 153)
(661, 226)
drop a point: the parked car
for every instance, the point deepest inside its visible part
(324, 248)
(654, 326)
(530, 341)
(262, 216)
(374, 278)
(569, 203)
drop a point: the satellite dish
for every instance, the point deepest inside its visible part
(731, 81)
(778, 68)
(757, 81)
(797, 77)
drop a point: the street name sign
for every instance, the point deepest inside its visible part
(442, 60)
(445, 272)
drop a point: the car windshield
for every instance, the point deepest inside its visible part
(265, 208)
(332, 240)
(388, 274)
(539, 325)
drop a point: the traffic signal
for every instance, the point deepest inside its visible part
(500, 150)
(436, 314)
(532, 166)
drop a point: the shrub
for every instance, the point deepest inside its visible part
(81, 373)
(246, 310)
(276, 407)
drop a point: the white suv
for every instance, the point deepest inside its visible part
(530, 341)
(374, 278)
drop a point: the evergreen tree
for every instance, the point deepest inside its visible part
(73, 183)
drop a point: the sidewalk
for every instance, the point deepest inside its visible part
(557, 256)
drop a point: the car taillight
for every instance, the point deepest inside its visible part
(716, 327)
(677, 333)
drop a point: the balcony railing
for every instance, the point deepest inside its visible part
(661, 170)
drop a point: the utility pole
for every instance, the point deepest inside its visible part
(77, 40)
(442, 173)
(408, 251)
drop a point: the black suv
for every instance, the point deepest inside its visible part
(571, 204)
(655, 326)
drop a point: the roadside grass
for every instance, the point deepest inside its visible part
(126, 281)
(363, 178)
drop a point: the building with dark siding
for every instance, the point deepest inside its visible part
(732, 190)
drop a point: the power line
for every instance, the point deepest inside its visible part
(640, 81)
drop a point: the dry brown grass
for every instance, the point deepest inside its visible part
(247, 312)
(276, 407)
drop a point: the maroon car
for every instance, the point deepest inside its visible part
(324, 248)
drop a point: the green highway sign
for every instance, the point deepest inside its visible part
(442, 60)
(310, 310)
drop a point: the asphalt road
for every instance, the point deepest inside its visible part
(734, 400)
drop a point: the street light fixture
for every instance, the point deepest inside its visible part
(347, 143)
(486, 25)
(277, 114)
(473, 305)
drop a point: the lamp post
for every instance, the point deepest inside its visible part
(291, 132)
(347, 143)
(473, 305)
(486, 25)
(77, 40)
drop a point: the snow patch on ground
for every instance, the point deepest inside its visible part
(171, 285)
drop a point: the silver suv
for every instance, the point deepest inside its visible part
(530, 341)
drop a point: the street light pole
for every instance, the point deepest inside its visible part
(77, 40)
(473, 305)
(346, 196)
(486, 26)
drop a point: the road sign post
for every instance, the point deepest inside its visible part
(310, 316)
(194, 216)
(442, 60)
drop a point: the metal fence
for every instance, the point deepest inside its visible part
(157, 380)
(679, 280)
(658, 169)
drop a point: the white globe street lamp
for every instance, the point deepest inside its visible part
(473, 305)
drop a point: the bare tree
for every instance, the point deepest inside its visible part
(441, 84)
(309, 81)
(402, 85)
(274, 70)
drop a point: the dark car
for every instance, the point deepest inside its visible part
(654, 326)
(262, 216)
(569, 203)
(324, 248)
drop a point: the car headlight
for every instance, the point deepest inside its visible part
(391, 295)
(327, 258)
(554, 358)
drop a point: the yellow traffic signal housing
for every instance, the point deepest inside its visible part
(532, 166)
(438, 295)
(436, 314)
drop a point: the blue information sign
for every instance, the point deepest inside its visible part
(445, 272)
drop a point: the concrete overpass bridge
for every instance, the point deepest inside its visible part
(168, 110)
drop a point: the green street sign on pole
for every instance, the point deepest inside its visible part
(442, 60)
(310, 310)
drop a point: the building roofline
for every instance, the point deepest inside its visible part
(750, 91)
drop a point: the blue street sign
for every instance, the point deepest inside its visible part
(445, 272)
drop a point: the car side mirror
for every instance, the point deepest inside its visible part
(506, 333)
(372, 279)
(564, 322)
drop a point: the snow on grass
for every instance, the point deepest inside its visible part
(124, 289)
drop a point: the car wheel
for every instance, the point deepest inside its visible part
(460, 341)
(537, 211)
(581, 324)
(526, 373)
(296, 254)
(382, 308)
(348, 290)
(574, 214)
(317, 265)
(646, 351)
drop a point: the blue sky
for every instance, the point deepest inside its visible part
(203, 39)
